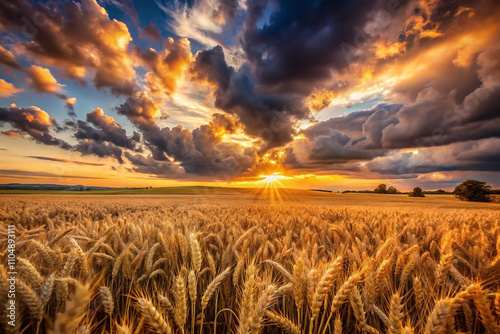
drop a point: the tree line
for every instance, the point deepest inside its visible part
(469, 190)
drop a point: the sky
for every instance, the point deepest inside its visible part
(320, 94)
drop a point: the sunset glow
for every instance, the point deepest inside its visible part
(272, 179)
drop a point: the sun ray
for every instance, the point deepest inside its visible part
(272, 186)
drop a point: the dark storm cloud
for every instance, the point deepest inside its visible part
(479, 155)
(299, 45)
(356, 136)
(263, 115)
(33, 122)
(354, 123)
(110, 130)
(338, 148)
(434, 119)
(100, 149)
(148, 165)
(102, 136)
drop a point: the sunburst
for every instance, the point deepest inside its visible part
(272, 185)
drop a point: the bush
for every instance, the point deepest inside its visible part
(392, 190)
(473, 190)
(416, 192)
(381, 189)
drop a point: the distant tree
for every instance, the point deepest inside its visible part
(473, 190)
(392, 190)
(416, 192)
(381, 189)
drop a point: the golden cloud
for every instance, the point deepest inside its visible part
(42, 80)
(7, 89)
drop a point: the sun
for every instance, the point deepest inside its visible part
(271, 179)
(271, 187)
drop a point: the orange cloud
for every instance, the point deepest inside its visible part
(42, 80)
(98, 114)
(167, 67)
(319, 100)
(71, 101)
(7, 89)
(11, 134)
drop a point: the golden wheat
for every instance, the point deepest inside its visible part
(152, 265)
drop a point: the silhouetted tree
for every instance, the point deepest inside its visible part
(473, 190)
(416, 192)
(392, 190)
(381, 189)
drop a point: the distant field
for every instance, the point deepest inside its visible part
(153, 191)
(211, 194)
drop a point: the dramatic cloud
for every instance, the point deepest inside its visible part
(102, 136)
(100, 149)
(110, 130)
(267, 116)
(298, 46)
(467, 156)
(33, 122)
(167, 67)
(59, 42)
(200, 152)
(148, 165)
(7, 89)
(141, 110)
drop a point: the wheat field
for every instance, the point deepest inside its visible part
(229, 264)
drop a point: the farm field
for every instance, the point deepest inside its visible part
(242, 261)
